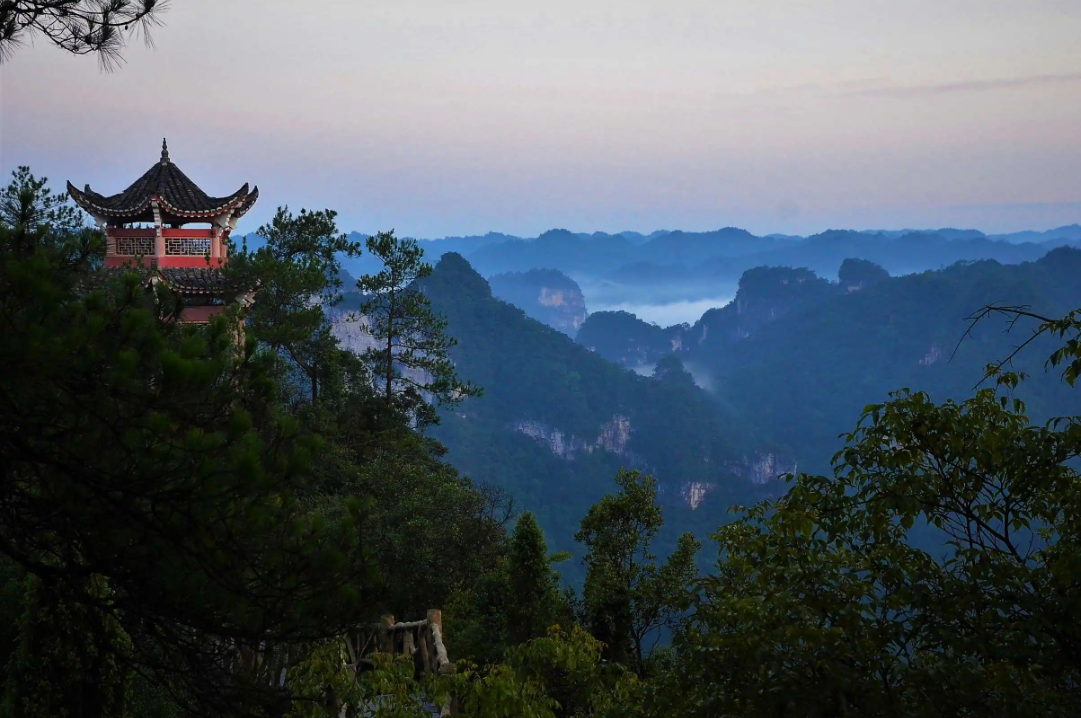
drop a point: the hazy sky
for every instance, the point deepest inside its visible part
(439, 117)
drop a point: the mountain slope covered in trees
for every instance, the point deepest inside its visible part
(557, 420)
(803, 377)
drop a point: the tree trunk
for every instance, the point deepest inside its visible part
(390, 348)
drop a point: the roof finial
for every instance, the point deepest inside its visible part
(164, 151)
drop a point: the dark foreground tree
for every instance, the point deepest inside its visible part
(514, 599)
(70, 659)
(628, 598)
(80, 27)
(410, 361)
(534, 600)
(147, 477)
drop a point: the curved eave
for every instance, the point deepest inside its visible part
(247, 203)
(222, 205)
(92, 202)
(237, 203)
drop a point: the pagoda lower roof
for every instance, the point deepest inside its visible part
(192, 282)
(176, 195)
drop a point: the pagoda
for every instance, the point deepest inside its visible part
(146, 226)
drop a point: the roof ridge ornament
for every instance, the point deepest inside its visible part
(164, 152)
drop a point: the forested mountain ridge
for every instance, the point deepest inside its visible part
(623, 338)
(788, 365)
(763, 295)
(629, 268)
(802, 378)
(557, 420)
(797, 356)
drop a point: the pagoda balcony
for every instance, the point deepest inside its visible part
(170, 248)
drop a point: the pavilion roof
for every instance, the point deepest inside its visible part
(177, 196)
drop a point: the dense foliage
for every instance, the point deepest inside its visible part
(170, 500)
(150, 476)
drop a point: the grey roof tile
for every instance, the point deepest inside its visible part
(176, 194)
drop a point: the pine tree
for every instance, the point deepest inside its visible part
(410, 362)
(298, 275)
(533, 599)
(80, 27)
(70, 660)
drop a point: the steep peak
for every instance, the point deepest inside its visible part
(670, 370)
(552, 277)
(454, 276)
(558, 234)
(758, 278)
(857, 274)
(1063, 258)
(735, 232)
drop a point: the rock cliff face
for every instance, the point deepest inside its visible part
(694, 493)
(350, 328)
(546, 295)
(763, 467)
(614, 437)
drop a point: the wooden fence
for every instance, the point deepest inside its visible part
(421, 640)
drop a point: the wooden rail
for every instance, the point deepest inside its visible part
(421, 640)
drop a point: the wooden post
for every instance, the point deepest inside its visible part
(423, 647)
(386, 634)
(435, 626)
(354, 658)
(159, 236)
(215, 246)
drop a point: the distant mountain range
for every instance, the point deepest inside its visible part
(673, 265)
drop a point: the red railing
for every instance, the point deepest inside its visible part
(180, 247)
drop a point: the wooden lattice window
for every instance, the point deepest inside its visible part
(132, 246)
(187, 247)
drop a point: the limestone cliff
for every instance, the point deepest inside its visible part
(546, 295)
